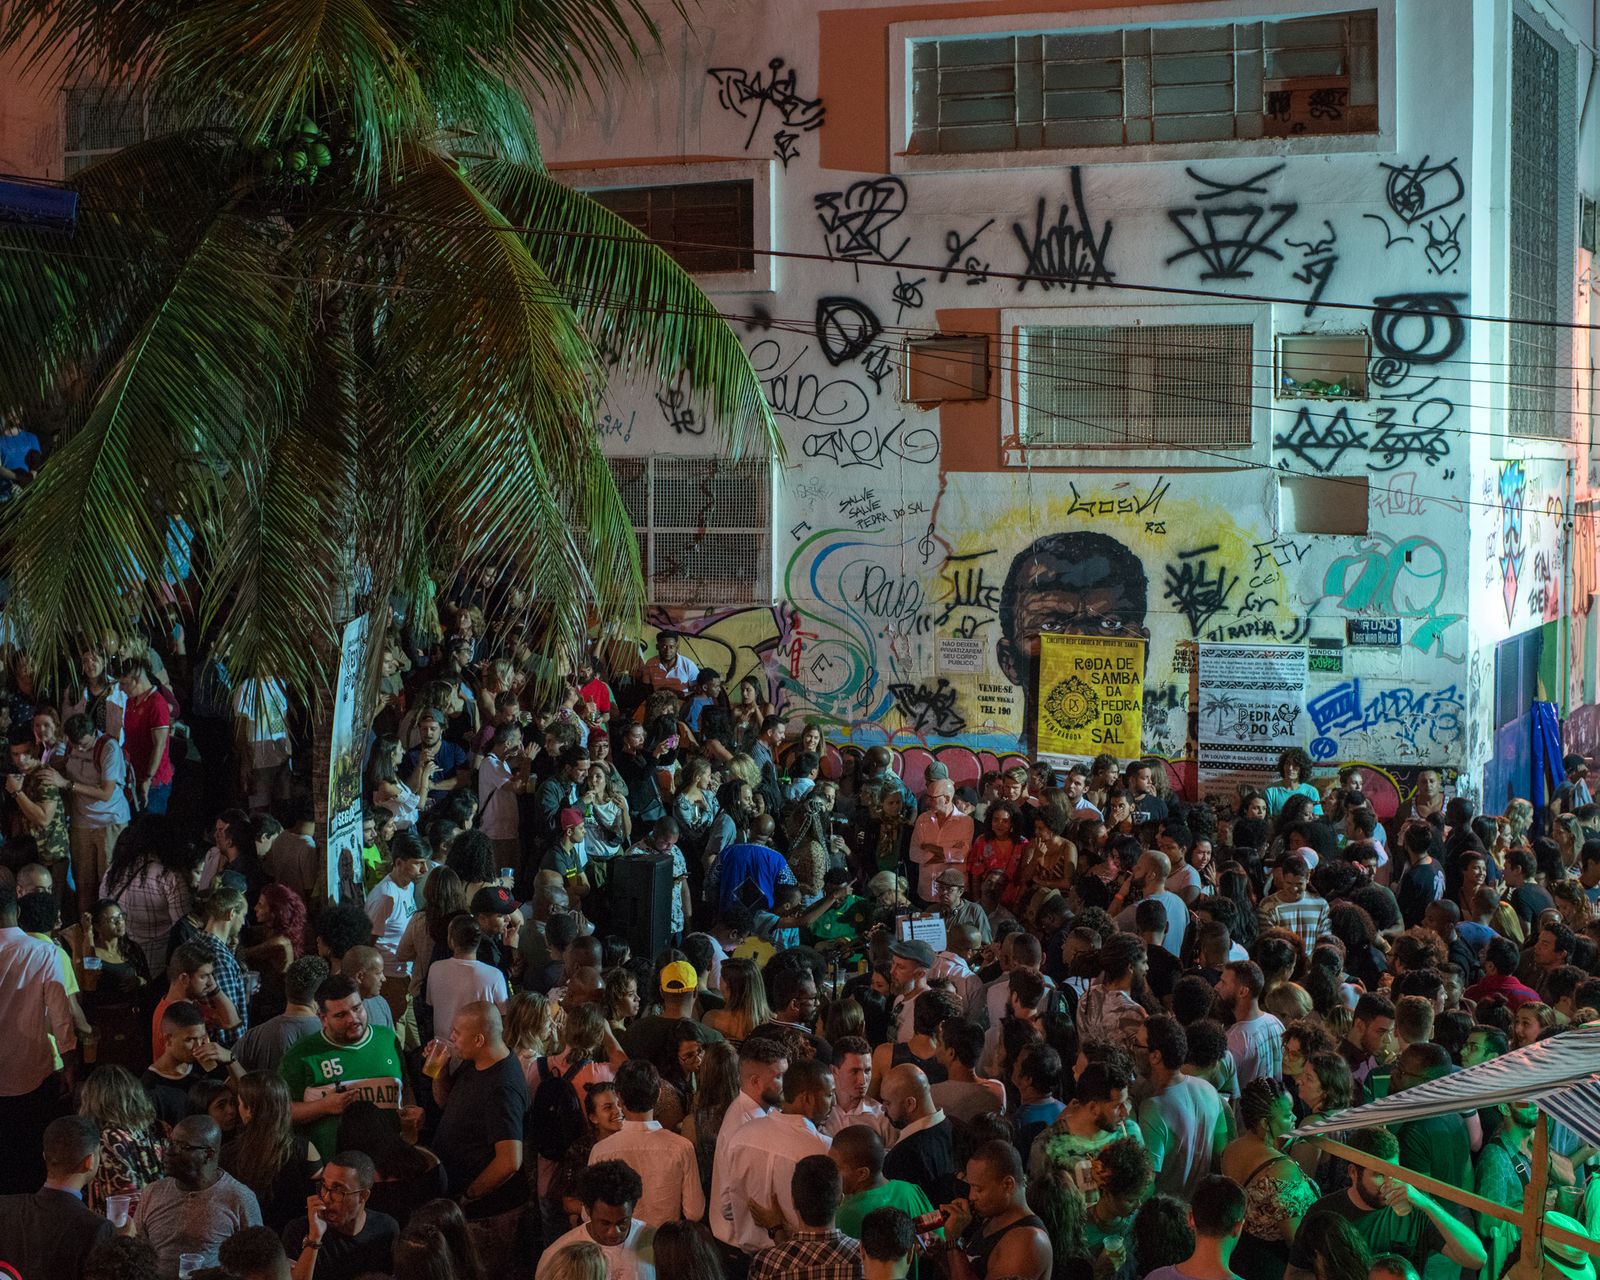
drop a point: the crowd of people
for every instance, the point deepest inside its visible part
(1040, 1023)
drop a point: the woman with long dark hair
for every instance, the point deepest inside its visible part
(266, 1155)
(685, 1251)
(444, 1217)
(1233, 883)
(153, 877)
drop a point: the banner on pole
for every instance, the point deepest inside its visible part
(1252, 701)
(1091, 696)
(345, 752)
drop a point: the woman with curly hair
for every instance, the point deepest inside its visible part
(130, 1135)
(1294, 779)
(282, 915)
(1000, 847)
(1325, 1085)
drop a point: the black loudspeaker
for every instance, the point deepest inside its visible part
(639, 895)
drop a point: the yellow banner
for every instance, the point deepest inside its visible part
(1091, 696)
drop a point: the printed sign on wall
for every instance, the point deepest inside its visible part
(1252, 701)
(1091, 696)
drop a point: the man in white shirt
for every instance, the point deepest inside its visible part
(1256, 1037)
(390, 905)
(912, 961)
(664, 1161)
(33, 1007)
(763, 1153)
(455, 983)
(941, 837)
(609, 1191)
(669, 669)
(852, 1058)
(762, 1064)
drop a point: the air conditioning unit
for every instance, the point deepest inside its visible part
(948, 367)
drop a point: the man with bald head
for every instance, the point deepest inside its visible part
(1149, 883)
(479, 1138)
(196, 1206)
(925, 1153)
(858, 1152)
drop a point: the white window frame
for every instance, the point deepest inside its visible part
(762, 277)
(1134, 457)
(88, 157)
(762, 591)
(903, 34)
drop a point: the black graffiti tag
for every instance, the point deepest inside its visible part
(976, 272)
(749, 94)
(867, 446)
(1066, 252)
(1226, 229)
(1423, 439)
(1417, 328)
(1317, 263)
(1418, 191)
(1320, 448)
(1195, 591)
(845, 328)
(854, 220)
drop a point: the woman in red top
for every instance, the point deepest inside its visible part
(998, 849)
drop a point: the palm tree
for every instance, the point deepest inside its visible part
(337, 323)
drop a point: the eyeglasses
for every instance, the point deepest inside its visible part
(333, 1189)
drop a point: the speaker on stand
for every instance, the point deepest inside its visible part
(639, 898)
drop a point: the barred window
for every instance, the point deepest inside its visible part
(704, 527)
(1136, 386)
(1140, 85)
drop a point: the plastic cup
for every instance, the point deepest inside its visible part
(117, 1210)
(91, 972)
(190, 1264)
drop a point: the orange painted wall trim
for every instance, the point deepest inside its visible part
(969, 430)
(853, 77)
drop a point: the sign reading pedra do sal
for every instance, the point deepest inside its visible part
(1091, 696)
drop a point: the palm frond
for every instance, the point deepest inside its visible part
(632, 297)
(67, 302)
(284, 520)
(87, 541)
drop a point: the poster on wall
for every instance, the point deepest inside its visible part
(1252, 703)
(1091, 696)
(344, 757)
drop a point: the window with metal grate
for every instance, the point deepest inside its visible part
(707, 227)
(102, 119)
(1136, 386)
(704, 527)
(1542, 230)
(1139, 85)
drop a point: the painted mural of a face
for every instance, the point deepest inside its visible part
(1080, 584)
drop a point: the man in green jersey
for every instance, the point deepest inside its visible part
(858, 1151)
(346, 1061)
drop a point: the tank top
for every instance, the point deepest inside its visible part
(984, 1245)
(931, 1067)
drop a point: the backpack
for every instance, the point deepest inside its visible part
(555, 1116)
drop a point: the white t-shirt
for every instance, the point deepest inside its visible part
(625, 1261)
(454, 984)
(1257, 1047)
(390, 909)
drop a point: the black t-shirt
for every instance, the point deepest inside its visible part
(346, 1257)
(485, 1107)
(171, 1097)
(1422, 884)
(1385, 1231)
(1149, 808)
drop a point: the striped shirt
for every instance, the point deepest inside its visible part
(1306, 917)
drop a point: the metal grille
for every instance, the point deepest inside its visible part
(706, 227)
(1136, 386)
(102, 119)
(704, 527)
(1135, 85)
(1540, 236)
